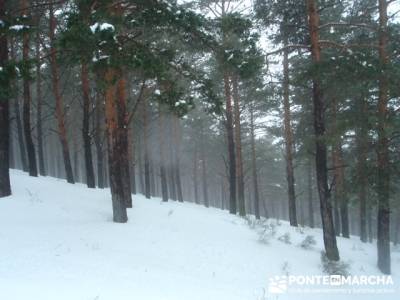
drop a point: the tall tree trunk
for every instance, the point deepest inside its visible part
(206, 200)
(39, 121)
(98, 139)
(123, 133)
(5, 187)
(238, 149)
(62, 131)
(163, 172)
(115, 148)
(362, 144)
(383, 148)
(310, 195)
(331, 249)
(146, 152)
(87, 140)
(231, 145)
(254, 165)
(18, 120)
(288, 139)
(195, 176)
(177, 141)
(30, 147)
(339, 182)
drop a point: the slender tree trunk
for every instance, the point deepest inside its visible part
(231, 146)
(163, 173)
(62, 131)
(87, 140)
(195, 176)
(30, 147)
(288, 139)
(310, 195)
(115, 149)
(383, 148)
(331, 249)
(123, 139)
(39, 121)
(362, 144)
(238, 149)
(146, 152)
(254, 165)
(18, 120)
(5, 187)
(338, 165)
(98, 140)
(206, 200)
(177, 141)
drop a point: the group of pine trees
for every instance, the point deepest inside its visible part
(212, 101)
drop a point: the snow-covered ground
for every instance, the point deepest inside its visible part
(58, 241)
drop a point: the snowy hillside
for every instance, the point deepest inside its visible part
(58, 241)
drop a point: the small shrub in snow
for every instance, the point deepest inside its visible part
(268, 231)
(285, 238)
(300, 230)
(334, 267)
(286, 268)
(308, 243)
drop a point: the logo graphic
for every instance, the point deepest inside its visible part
(278, 285)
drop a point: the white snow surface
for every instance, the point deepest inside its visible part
(58, 241)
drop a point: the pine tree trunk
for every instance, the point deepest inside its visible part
(195, 176)
(18, 120)
(331, 249)
(288, 140)
(5, 187)
(310, 195)
(87, 140)
(177, 141)
(62, 131)
(163, 172)
(146, 152)
(231, 145)
(115, 149)
(362, 144)
(238, 143)
(123, 140)
(383, 148)
(206, 200)
(30, 147)
(39, 122)
(254, 165)
(98, 140)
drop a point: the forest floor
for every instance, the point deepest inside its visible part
(58, 241)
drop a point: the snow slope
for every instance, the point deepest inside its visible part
(58, 241)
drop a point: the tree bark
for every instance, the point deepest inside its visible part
(5, 187)
(310, 195)
(18, 120)
(383, 183)
(288, 139)
(195, 176)
(98, 139)
(87, 140)
(362, 144)
(238, 143)
(26, 112)
(231, 145)
(39, 121)
(331, 249)
(115, 149)
(163, 173)
(62, 131)
(206, 200)
(254, 165)
(146, 152)
(177, 142)
(123, 139)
